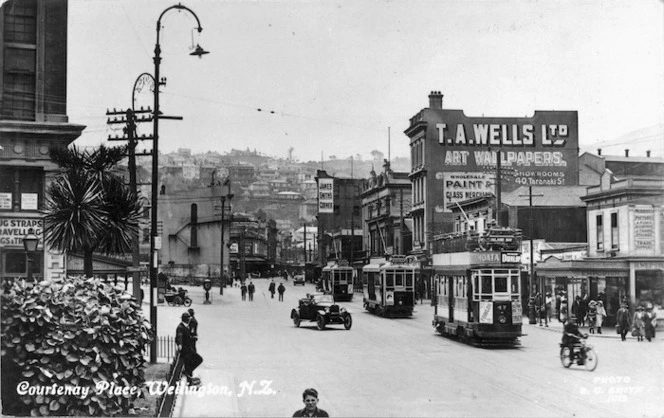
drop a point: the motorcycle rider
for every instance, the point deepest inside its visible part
(571, 336)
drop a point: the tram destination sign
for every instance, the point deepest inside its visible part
(541, 150)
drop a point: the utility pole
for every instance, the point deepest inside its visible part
(130, 119)
(304, 246)
(530, 233)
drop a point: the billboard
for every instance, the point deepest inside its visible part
(536, 151)
(460, 186)
(326, 195)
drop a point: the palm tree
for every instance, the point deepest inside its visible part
(88, 207)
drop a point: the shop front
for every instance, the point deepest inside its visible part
(605, 280)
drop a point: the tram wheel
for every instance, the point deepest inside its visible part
(565, 357)
(320, 322)
(348, 321)
(591, 360)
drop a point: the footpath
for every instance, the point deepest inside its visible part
(557, 326)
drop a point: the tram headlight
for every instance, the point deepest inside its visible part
(502, 319)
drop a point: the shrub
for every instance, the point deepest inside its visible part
(75, 333)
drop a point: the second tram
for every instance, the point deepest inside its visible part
(477, 296)
(337, 279)
(389, 288)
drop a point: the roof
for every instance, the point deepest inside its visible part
(552, 196)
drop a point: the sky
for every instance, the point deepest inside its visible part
(343, 78)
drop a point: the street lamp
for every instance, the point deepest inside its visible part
(154, 245)
(30, 242)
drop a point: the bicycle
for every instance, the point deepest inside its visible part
(584, 355)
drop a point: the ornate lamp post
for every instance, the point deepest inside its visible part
(155, 243)
(30, 242)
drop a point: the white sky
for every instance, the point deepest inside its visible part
(337, 74)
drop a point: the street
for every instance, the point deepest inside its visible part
(258, 364)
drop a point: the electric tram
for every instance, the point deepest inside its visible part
(477, 296)
(389, 288)
(337, 279)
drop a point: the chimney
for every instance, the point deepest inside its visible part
(626, 153)
(435, 100)
(648, 153)
(599, 151)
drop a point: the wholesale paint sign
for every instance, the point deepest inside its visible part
(326, 195)
(541, 150)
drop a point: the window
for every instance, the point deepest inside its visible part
(615, 237)
(20, 22)
(600, 233)
(21, 188)
(15, 263)
(398, 278)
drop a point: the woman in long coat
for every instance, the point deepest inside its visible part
(639, 324)
(649, 327)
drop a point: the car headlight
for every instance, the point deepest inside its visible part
(342, 310)
(327, 310)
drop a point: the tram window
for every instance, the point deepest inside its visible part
(409, 279)
(500, 284)
(486, 285)
(398, 278)
(389, 279)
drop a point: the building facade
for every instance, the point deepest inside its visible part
(625, 260)
(33, 117)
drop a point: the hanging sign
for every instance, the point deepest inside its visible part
(325, 195)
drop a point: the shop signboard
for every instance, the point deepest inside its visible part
(12, 230)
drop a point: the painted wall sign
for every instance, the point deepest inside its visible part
(12, 230)
(459, 186)
(325, 195)
(644, 228)
(542, 150)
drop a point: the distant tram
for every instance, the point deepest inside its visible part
(389, 288)
(477, 295)
(337, 279)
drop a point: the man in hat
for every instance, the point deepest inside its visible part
(190, 359)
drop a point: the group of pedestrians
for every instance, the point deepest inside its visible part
(251, 289)
(641, 325)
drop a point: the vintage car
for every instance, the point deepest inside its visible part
(320, 307)
(298, 279)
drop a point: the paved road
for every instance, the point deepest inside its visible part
(400, 367)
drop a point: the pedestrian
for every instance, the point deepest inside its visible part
(243, 290)
(564, 309)
(601, 314)
(251, 289)
(310, 400)
(540, 309)
(281, 290)
(272, 288)
(193, 329)
(188, 355)
(591, 316)
(623, 321)
(558, 303)
(548, 303)
(639, 330)
(649, 318)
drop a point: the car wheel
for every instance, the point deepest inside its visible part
(348, 321)
(320, 322)
(187, 301)
(296, 319)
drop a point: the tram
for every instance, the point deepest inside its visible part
(389, 288)
(337, 279)
(477, 296)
